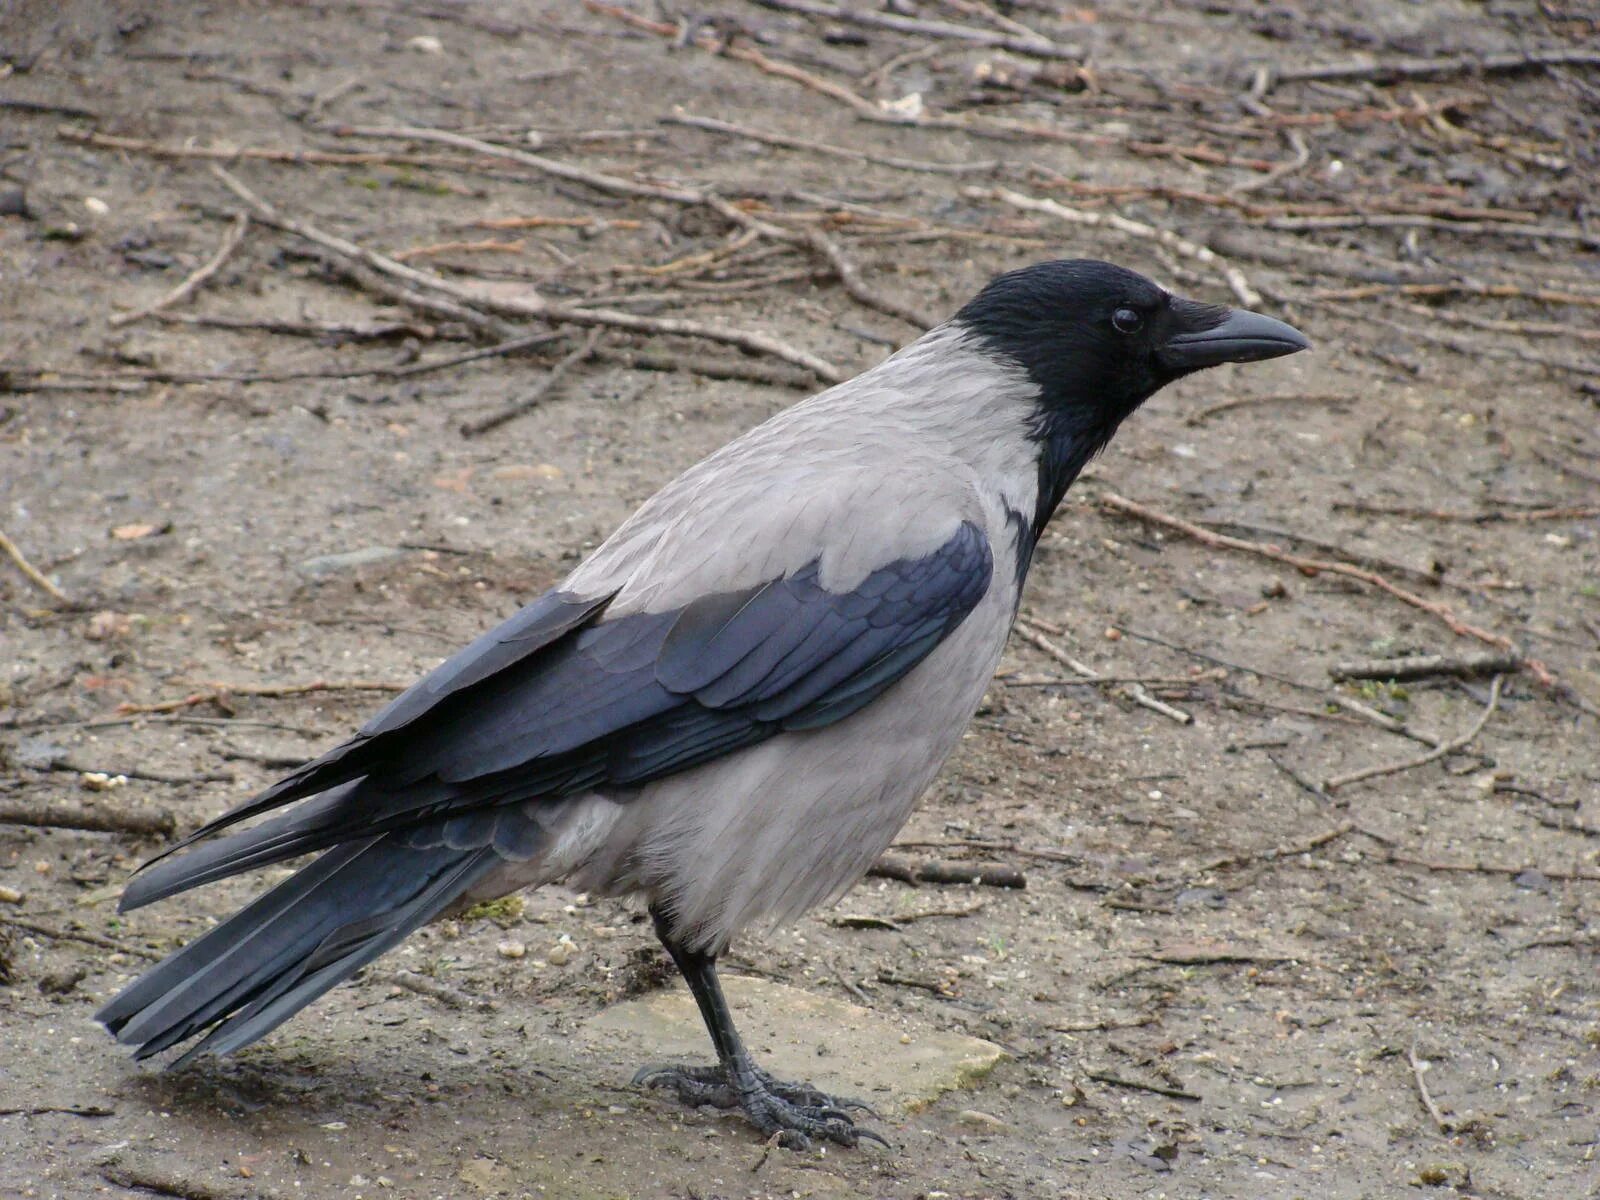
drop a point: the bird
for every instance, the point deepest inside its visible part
(727, 710)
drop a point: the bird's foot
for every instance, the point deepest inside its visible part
(795, 1112)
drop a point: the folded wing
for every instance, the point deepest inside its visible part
(560, 699)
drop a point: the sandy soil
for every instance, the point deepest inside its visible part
(1222, 979)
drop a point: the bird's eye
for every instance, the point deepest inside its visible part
(1127, 320)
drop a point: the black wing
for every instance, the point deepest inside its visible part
(560, 700)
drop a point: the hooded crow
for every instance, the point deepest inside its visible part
(729, 709)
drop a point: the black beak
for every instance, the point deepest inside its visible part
(1239, 336)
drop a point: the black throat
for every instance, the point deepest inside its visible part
(1064, 448)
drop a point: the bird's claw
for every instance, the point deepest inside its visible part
(795, 1112)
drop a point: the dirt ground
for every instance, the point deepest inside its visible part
(1224, 978)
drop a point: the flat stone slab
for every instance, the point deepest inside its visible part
(891, 1062)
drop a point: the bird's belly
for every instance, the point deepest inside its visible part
(771, 831)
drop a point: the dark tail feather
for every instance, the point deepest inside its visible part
(269, 842)
(271, 959)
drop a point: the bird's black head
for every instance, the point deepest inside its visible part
(1098, 340)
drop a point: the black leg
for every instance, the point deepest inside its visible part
(795, 1112)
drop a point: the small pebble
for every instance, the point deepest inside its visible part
(424, 44)
(96, 205)
(560, 954)
(511, 949)
(10, 895)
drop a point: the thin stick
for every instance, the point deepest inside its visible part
(712, 125)
(1222, 406)
(1032, 681)
(1417, 1068)
(449, 997)
(1034, 47)
(1133, 691)
(73, 935)
(742, 53)
(975, 8)
(599, 180)
(1394, 70)
(230, 243)
(1492, 291)
(1487, 516)
(510, 346)
(1438, 752)
(531, 305)
(330, 158)
(1558, 329)
(1558, 233)
(160, 1183)
(1483, 868)
(1291, 850)
(849, 276)
(379, 284)
(658, 360)
(1469, 346)
(76, 816)
(1421, 666)
(34, 575)
(1315, 566)
(1159, 1089)
(947, 872)
(1380, 719)
(482, 246)
(542, 389)
(220, 692)
(1238, 284)
(357, 331)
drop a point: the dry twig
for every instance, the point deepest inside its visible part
(725, 368)
(1396, 69)
(1160, 1089)
(73, 935)
(33, 574)
(219, 693)
(1134, 691)
(1235, 278)
(712, 125)
(947, 872)
(1421, 666)
(529, 304)
(1290, 850)
(1418, 1067)
(1315, 566)
(540, 390)
(1034, 46)
(449, 997)
(1484, 517)
(336, 331)
(1438, 752)
(230, 242)
(1222, 406)
(144, 822)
